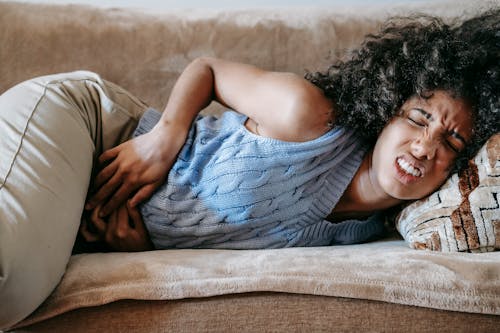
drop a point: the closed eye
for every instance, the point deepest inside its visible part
(419, 117)
(452, 147)
(416, 122)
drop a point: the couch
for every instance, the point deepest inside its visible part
(379, 286)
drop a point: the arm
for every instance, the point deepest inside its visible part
(283, 106)
(286, 106)
(358, 231)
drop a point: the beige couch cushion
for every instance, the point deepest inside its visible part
(386, 270)
(145, 52)
(263, 312)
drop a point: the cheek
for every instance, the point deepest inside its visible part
(386, 146)
(382, 162)
(438, 174)
(444, 162)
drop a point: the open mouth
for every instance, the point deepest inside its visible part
(408, 172)
(408, 168)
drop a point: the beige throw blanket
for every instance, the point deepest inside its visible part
(385, 270)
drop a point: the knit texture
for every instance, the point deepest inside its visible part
(230, 188)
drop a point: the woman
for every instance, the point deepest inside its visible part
(297, 159)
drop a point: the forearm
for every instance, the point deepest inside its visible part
(192, 92)
(284, 106)
(356, 231)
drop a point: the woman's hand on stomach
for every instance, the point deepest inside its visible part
(122, 230)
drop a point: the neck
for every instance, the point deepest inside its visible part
(364, 195)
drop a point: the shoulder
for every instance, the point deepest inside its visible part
(311, 108)
(307, 112)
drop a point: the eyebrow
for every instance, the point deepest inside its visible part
(428, 116)
(425, 113)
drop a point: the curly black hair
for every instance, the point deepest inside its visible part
(415, 56)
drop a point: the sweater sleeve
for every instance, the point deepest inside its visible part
(356, 231)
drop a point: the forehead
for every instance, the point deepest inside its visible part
(454, 113)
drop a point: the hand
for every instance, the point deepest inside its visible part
(137, 166)
(124, 230)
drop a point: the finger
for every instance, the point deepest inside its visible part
(87, 235)
(105, 174)
(123, 225)
(117, 199)
(111, 230)
(99, 224)
(140, 229)
(109, 154)
(136, 217)
(104, 192)
(144, 193)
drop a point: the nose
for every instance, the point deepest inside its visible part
(424, 147)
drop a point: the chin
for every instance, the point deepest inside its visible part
(405, 196)
(401, 192)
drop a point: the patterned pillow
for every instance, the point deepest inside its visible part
(464, 214)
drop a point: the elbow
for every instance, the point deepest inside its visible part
(204, 66)
(203, 61)
(199, 65)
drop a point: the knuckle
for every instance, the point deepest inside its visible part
(120, 172)
(105, 174)
(93, 218)
(124, 170)
(121, 234)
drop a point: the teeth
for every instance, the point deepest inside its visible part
(408, 168)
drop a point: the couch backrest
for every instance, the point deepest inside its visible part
(145, 51)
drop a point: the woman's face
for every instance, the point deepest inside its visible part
(416, 150)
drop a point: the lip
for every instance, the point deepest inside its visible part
(404, 177)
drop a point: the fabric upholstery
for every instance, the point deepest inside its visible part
(145, 52)
(263, 312)
(386, 270)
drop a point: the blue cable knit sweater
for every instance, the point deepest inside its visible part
(230, 188)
